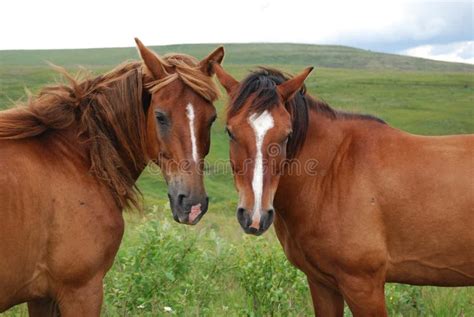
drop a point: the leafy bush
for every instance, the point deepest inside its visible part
(165, 271)
(404, 300)
(178, 270)
(273, 286)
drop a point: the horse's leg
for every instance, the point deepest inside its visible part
(44, 307)
(365, 296)
(85, 300)
(326, 302)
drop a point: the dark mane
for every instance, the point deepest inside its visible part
(263, 82)
(105, 112)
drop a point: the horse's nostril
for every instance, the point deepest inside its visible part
(206, 204)
(181, 198)
(243, 217)
(269, 218)
(240, 211)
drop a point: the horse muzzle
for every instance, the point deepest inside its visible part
(188, 209)
(255, 225)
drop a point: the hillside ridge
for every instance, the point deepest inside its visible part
(331, 56)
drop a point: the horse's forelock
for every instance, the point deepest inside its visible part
(187, 69)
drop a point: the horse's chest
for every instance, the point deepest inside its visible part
(291, 247)
(303, 252)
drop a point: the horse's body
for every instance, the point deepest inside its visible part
(59, 237)
(380, 205)
(69, 160)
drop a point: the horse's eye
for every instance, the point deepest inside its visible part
(231, 136)
(161, 118)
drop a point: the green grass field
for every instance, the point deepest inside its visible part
(214, 269)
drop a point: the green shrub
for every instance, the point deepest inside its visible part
(404, 300)
(165, 271)
(272, 285)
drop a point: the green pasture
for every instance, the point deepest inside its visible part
(213, 268)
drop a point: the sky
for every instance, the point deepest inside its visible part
(442, 30)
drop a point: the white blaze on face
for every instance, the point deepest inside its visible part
(260, 125)
(190, 115)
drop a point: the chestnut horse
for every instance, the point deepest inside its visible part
(69, 160)
(380, 205)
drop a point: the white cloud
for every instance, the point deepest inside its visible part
(462, 52)
(388, 26)
(92, 23)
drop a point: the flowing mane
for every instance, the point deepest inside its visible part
(263, 83)
(109, 114)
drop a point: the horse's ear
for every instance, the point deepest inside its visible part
(290, 87)
(226, 80)
(151, 60)
(215, 57)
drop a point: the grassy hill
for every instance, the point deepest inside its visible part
(211, 269)
(242, 54)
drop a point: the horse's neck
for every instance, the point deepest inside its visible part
(324, 143)
(324, 146)
(325, 155)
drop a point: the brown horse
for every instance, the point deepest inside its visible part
(69, 160)
(379, 205)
